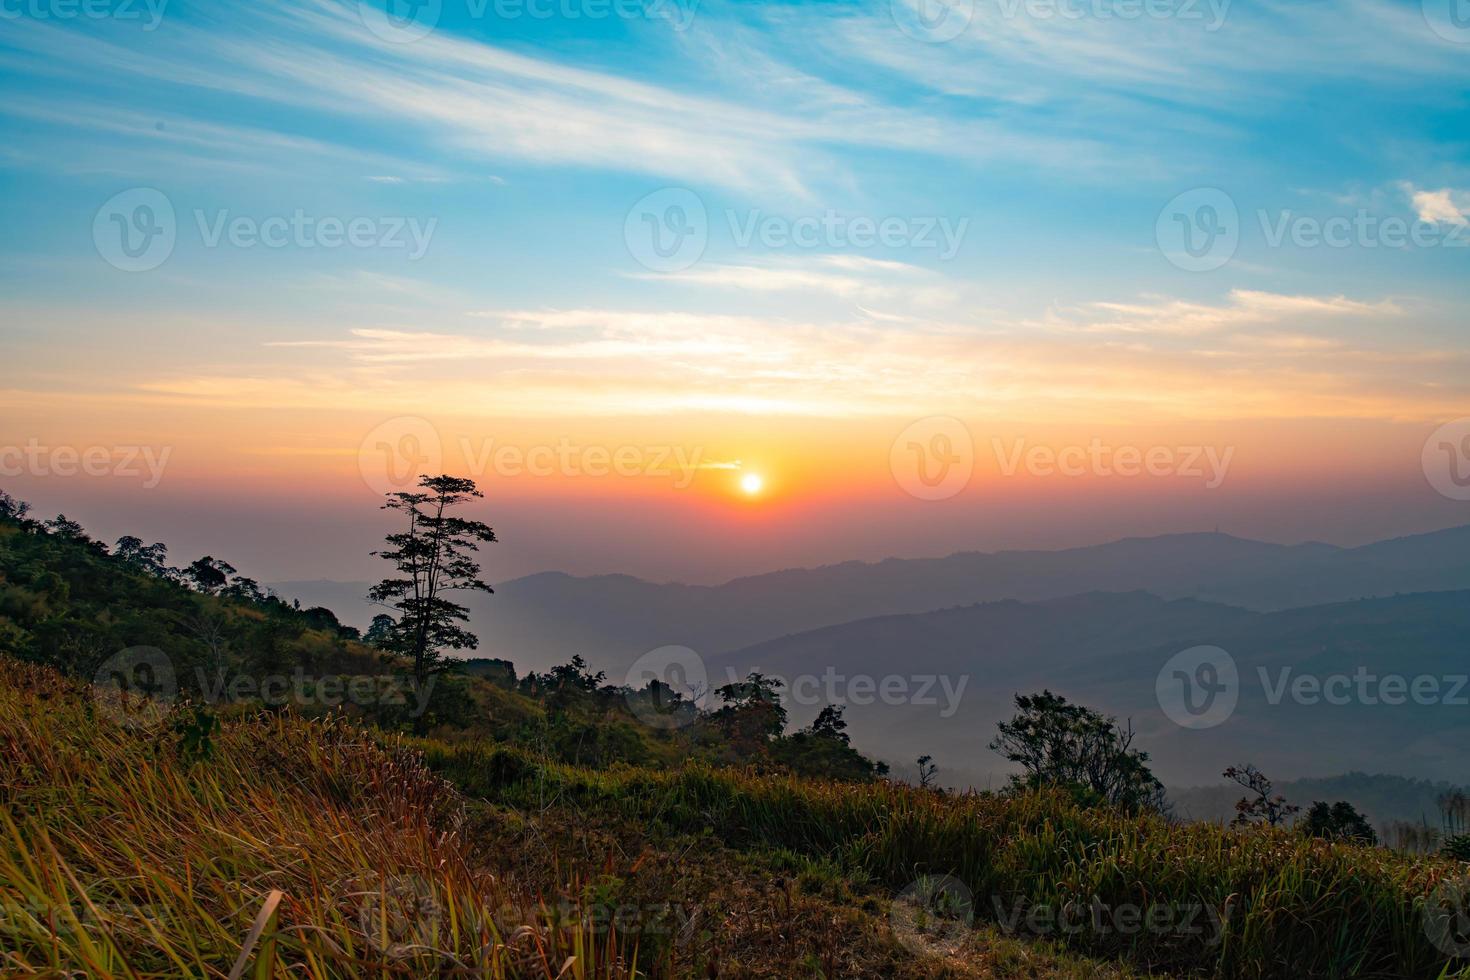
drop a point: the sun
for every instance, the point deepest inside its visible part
(752, 483)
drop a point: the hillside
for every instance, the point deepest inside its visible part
(547, 825)
(73, 603)
(280, 846)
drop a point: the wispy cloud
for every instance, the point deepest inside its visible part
(1244, 310)
(1253, 355)
(847, 276)
(476, 100)
(1444, 206)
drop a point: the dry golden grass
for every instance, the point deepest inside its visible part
(119, 858)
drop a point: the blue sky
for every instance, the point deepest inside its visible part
(529, 137)
(1058, 144)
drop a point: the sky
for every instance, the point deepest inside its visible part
(701, 289)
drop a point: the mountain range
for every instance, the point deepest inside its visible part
(1096, 624)
(542, 619)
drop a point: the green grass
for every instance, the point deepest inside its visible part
(120, 859)
(288, 847)
(1291, 906)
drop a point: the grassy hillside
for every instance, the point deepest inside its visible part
(72, 603)
(529, 826)
(133, 846)
(1284, 905)
(286, 847)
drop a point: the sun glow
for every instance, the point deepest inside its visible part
(752, 483)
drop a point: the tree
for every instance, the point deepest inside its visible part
(568, 684)
(1061, 744)
(64, 527)
(12, 509)
(209, 574)
(433, 556)
(150, 558)
(1260, 806)
(574, 675)
(752, 713)
(927, 771)
(244, 588)
(380, 631)
(1338, 821)
(829, 724)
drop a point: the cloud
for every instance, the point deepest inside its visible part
(847, 276)
(473, 101)
(1244, 309)
(1251, 355)
(1440, 207)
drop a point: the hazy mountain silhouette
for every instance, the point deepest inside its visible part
(543, 619)
(1378, 797)
(1107, 649)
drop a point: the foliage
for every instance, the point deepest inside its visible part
(1457, 847)
(433, 557)
(1260, 806)
(1060, 744)
(119, 862)
(927, 771)
(752, 713)
(196, 729)
(1291, 906)
(1338, 821)
(68, 602)
(122, 858)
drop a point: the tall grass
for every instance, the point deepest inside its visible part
(280, 848)
(1290, 906)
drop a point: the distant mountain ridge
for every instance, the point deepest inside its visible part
(1381, 798)
(545, 618)
(1106, 650)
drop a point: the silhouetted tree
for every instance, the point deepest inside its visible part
(12, 509)
(568, 684)
(1454, 811)
(64, 527)
(209, 574)
(1260, 806)
(829, 724)
(380, 631)
(432, 557)
(752, 713)
(927, 771)
(244, 588)
(1338, 821)
(1062, 744)
(150, 558)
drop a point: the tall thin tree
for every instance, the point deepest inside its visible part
(433, 557)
